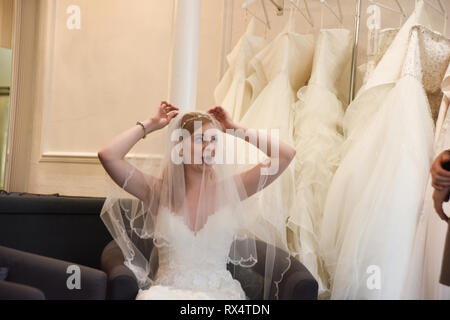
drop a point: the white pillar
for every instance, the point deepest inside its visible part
(184, 54)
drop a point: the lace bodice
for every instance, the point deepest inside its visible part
(385, 38)
(197, 260)
(382, 40)
(427, 59)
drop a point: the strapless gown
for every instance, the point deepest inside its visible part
(376, 195)
(182, 273)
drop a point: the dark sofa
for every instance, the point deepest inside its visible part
(53, 232)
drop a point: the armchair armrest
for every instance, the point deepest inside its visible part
(50, 275)
(17, 291)
(297, 282)
(122, 284)
(299, 285)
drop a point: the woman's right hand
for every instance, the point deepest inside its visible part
(440, 178)
(163, 115)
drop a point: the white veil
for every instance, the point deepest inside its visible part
(219, 194)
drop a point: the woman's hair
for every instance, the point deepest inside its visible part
(187, 122)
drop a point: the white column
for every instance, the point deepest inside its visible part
(184, 54)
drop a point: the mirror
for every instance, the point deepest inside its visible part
(6, 35)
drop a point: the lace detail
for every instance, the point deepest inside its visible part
(198, 273)
(383, 39)
(435, 56)
(427, 59)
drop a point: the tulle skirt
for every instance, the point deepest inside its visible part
(318, 139)
(374, 201)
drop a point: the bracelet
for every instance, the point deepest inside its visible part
(143, 128)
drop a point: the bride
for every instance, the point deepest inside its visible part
(191, 203)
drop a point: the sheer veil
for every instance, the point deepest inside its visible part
(195, 152)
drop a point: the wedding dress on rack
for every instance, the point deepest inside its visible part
(426, 261)
(238, 87)
(375, 197)
(382, 40)
(317, 136)
(285, 65)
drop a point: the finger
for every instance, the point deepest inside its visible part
(438, 208)
(437, 173)
(436, 186)
(438, 199)
(172, 115)
(445, 157)
(441, 172)
(442, 182)
(171, 108)
(441, 179)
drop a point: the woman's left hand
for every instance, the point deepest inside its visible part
(439, 197)
(222, 116)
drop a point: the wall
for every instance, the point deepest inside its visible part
(6, 17)
(91, 84)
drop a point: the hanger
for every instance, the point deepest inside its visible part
(280, 8)
(307, 16)
(441, 9)
(400, 9)
(338, 15)
(442, 6)
(266, 21)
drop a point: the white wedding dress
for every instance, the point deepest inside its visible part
(240, 85)
(183, 275)
(318, 137)
(374, 201)
(382, 39)
(426, 261)
(285, 65)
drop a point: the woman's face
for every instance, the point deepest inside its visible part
(202, 147)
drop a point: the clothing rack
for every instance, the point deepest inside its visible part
(357, 24)
(308, 18)
(355, 50)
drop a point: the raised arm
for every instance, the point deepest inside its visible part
(112, 155)
(280, 160)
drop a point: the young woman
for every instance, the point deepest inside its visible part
(191, 206)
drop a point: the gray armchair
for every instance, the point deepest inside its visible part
(31, 276)
(297, 283)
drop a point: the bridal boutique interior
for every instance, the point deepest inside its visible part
(360, 88)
